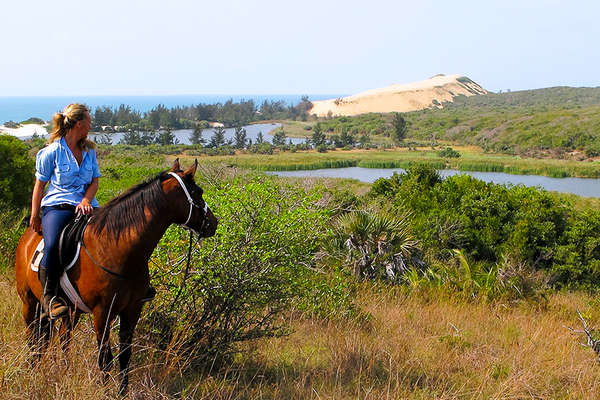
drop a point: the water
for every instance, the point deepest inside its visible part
(586, 187)
(22, 108)
(183, 135)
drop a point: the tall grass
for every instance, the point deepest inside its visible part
(417, 345)
(471, 160)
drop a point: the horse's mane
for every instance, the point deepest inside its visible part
(127, 210)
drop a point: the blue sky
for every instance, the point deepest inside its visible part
(277, 47)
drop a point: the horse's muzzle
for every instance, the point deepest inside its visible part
(210, 225)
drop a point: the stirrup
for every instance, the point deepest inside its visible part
(61, 302)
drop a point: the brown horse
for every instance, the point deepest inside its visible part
(112, 275)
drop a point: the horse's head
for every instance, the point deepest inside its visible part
(191, 210)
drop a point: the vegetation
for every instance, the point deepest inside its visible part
(448, 152)
(544, 122)
(16, 172)
(494, 224)
(471, 159)
(33, 120)
(244, 279)
(228, 113)
(307, 284)
(400, 128)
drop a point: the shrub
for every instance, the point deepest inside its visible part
(256, 267)
(261, 148)
(375, 244)
(12, 222)
(448, 152)
(16, 172)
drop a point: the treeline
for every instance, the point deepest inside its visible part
(229, 113)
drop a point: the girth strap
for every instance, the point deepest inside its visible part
(108, 271)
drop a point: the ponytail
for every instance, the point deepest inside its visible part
(64, 121)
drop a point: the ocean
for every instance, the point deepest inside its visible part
(21, 108)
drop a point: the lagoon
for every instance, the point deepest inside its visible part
(586, 187)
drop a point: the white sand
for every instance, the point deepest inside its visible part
(400, 98)
(25, 131)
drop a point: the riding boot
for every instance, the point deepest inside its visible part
(149, 295)
(52, 305)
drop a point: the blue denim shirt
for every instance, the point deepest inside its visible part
(68, 180)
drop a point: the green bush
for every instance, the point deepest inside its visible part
(16, 172)
(490, 223)
(448, 152)
(259, 264)
(322, 148)
(12, 222)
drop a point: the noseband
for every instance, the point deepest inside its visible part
(192, 204)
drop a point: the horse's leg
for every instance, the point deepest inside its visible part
(31, 311)
(128, 318)
(102, 324)
(65, 333)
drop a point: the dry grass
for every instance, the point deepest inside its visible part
(418, 346)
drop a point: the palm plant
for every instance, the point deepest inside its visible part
(376, 244)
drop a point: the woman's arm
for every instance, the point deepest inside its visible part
(85, 206)
(36, 200)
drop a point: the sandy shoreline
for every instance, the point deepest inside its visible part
(25, 131)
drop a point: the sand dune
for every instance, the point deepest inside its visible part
(401, 98)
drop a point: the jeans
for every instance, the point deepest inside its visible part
(54, 219)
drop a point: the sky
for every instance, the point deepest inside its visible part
(173, 47)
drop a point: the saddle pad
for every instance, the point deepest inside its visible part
(39, 253)
(65, 283)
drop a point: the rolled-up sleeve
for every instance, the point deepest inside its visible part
(95, 168)
(44, 165)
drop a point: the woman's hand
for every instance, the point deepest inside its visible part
(84, 207)
(35, 222)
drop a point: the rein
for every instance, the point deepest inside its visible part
(189, 256)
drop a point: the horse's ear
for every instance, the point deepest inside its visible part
(175, 166)
(192, 170)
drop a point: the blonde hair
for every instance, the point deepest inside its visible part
(64, 121)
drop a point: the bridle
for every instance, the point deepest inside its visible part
(192, 205)
(192, 230)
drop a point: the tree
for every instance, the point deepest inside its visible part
(364, 140)
(196, 136)
(218, 137)
(166, 137)
(16, 172)
(259, 138)
(137, 138)
(318, 137)
(346, 138)
(239, 138)
(400, 127)
(279, 138)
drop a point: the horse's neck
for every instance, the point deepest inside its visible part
(144, 241)
(131, 252)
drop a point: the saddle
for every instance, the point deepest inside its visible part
(71, 235)
(68, 251)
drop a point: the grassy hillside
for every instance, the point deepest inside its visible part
(550, 122)
(550, 131)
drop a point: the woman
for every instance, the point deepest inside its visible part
(69, 164)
